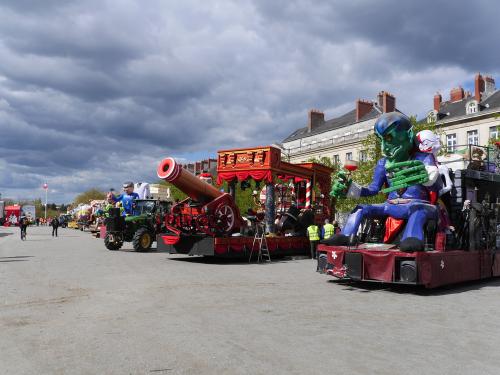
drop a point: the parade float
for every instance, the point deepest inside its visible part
(436, 227)
(208, 222)
(12, 214)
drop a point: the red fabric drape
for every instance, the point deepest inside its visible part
(392, 228)
(243, 175)
(378, 265)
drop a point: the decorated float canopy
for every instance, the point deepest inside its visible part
(265, 164)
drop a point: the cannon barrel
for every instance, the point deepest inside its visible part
(198, 190)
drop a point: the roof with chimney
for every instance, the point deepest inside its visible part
(449, 110)
(364, 110)
(346, 119)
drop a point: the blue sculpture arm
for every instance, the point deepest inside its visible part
(378, 181)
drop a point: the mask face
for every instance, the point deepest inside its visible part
(428, 142)
(396, 144)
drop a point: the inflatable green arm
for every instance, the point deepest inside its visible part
(405, 174)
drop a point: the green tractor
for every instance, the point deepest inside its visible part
(140, 229)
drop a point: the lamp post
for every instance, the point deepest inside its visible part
(46, 188)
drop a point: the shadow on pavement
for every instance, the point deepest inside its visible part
(13, 260)
(18, 256)
(366, 287)
(5, 234)
(221, 260)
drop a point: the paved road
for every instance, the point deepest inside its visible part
(69, 306)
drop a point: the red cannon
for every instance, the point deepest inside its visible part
(207, 210)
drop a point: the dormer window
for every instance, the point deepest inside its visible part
(431, 117)
(471, 107)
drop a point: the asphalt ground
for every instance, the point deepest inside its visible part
(69, 306)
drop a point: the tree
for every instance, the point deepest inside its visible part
(175, 192)
(89, 195)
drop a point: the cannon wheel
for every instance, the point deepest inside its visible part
(111, 244)
(224, 215)
(142, 240)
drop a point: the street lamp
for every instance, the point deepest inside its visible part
(46, 188)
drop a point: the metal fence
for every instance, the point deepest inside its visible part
(482, 158)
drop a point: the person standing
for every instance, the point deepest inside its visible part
(328, 230)
(55, 224)
(313, 234)
(23, 224)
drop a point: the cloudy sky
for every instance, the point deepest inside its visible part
(93, 93)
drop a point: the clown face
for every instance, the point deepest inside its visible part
(428, 142)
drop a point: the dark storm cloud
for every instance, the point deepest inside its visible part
(415, 32)
(96, 92)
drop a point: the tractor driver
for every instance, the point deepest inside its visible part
(127, 198)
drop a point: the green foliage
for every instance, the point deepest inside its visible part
(52, 209)
(175, 193)
(89, 195)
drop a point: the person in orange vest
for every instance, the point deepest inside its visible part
(313, 234)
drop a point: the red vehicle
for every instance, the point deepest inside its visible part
(208, 222)
(472, 252)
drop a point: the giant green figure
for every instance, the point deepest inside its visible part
(408, 177)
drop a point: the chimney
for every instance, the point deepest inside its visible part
(362, 108)
(457, 94)
(478, 86)
(489, 86)
(380, 99)
(388, 102)
(437, 101)
(316, 118)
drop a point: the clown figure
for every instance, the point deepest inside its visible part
(429, 142)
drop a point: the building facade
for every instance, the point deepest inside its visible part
(468, 118)
(462, 120)
(202, 166)
(339, 138)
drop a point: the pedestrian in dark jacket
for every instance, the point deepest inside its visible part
(55, 225)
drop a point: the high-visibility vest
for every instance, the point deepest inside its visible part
(313, 232)
(329, 231)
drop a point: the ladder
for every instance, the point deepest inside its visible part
(261, 241)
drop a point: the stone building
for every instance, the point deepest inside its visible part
(338, 138)
(202, 166)
(468, 118)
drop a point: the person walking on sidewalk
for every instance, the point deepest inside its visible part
(55, 224)
(313, 234)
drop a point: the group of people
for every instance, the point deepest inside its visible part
(316, 234)
(24, 222)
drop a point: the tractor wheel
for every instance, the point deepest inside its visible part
(111, 245)
(142, 240)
